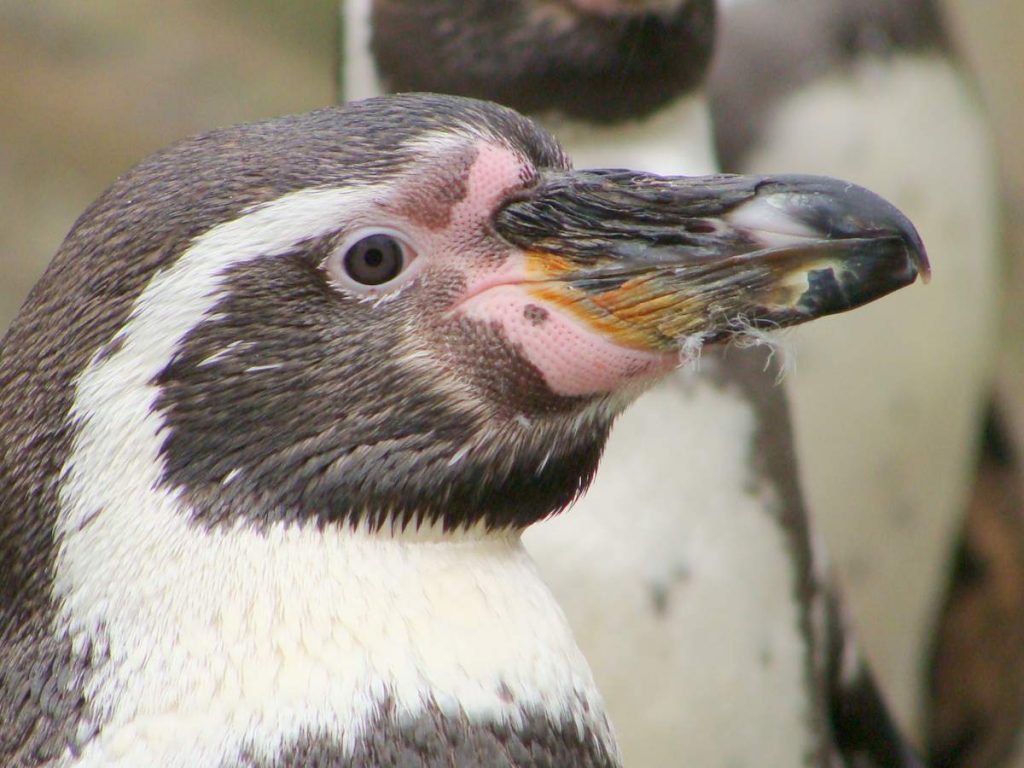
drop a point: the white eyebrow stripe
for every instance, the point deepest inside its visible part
(117, 388)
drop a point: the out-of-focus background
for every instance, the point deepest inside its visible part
(989, 34)
(87, 89)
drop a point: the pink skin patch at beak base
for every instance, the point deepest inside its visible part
(574, 360)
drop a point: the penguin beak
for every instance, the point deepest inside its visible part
(651, 261)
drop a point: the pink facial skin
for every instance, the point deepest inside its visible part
(573, 358)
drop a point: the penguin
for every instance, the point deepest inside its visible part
(277, 413)
(721, 583)
(887, 408)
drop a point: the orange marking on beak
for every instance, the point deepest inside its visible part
(643, 313)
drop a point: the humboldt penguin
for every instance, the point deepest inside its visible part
(888, 407)
(276, 415)
(717, 582)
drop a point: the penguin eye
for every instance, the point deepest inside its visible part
(371, 261)
(374, 259)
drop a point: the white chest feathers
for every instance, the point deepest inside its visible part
(220, 640)
(676, 550)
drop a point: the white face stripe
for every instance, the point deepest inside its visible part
(114, 397)
(230, 638)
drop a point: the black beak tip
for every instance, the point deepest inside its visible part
(917, 252)
(873, 268)
(842, 210)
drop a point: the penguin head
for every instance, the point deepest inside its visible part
(403, 311)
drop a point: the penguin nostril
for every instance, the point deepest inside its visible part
(701, 227)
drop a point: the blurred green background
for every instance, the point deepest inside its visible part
(89, 88)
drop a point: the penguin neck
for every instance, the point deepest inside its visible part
(358, 77)
(674, 140)
(300, 628)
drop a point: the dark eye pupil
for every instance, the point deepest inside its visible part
(374, 260)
